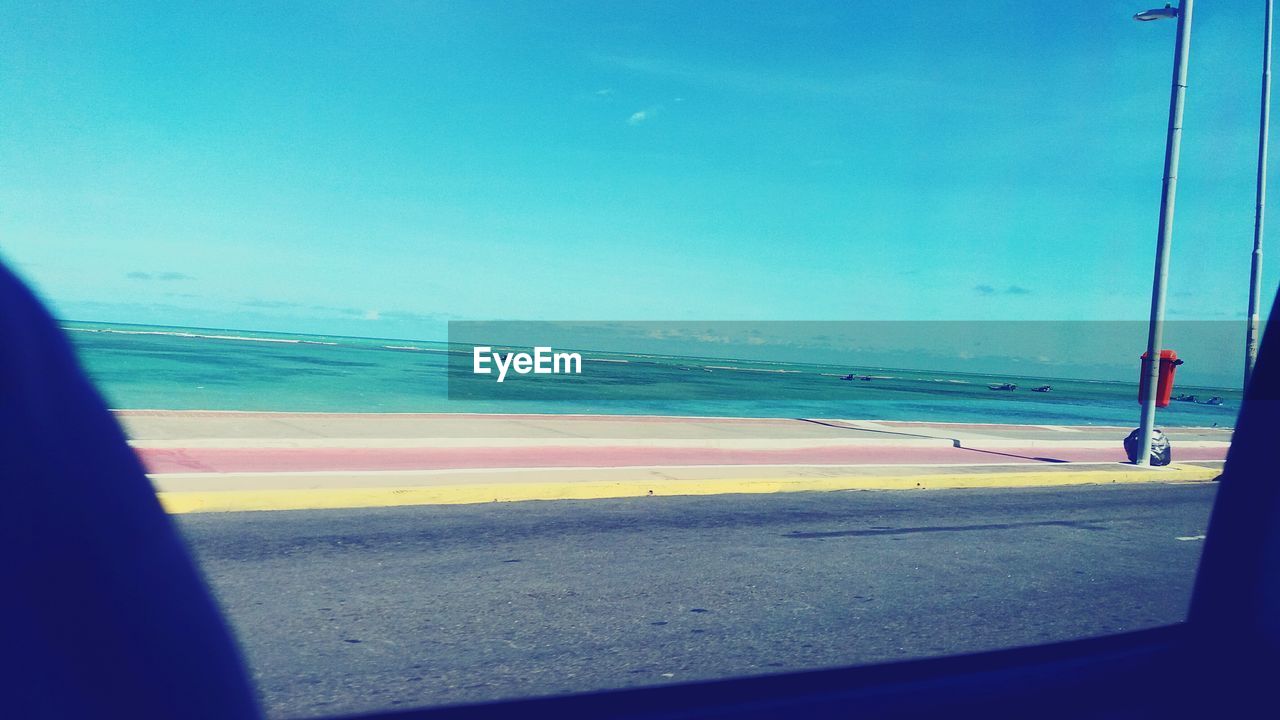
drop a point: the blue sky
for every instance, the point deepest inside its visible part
(379, 168)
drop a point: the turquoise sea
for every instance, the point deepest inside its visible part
(202, 369)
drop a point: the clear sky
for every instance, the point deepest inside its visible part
(378, 168)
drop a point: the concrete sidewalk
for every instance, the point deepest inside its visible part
(240, 460)
(174, 428)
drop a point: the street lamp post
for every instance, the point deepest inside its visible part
(1255, 273)
(1173, 142)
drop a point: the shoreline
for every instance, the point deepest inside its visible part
(607, 417)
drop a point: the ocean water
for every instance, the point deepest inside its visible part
(145, 367)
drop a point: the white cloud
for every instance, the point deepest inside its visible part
(644, 115)
(604, 91)
(864, 85)
(372, 314)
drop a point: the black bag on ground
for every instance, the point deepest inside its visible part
(1161, 452)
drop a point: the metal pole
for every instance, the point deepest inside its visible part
(1155, 331)
(1255, 275)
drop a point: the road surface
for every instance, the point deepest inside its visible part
(365, 609)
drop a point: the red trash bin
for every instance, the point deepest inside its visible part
(1169, 362)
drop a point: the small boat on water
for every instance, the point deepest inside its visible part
(1042, 388)
(1003, 386)
(1183, 397)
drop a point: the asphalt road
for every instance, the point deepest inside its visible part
(344, 611)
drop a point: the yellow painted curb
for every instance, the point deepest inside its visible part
(334, 498)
